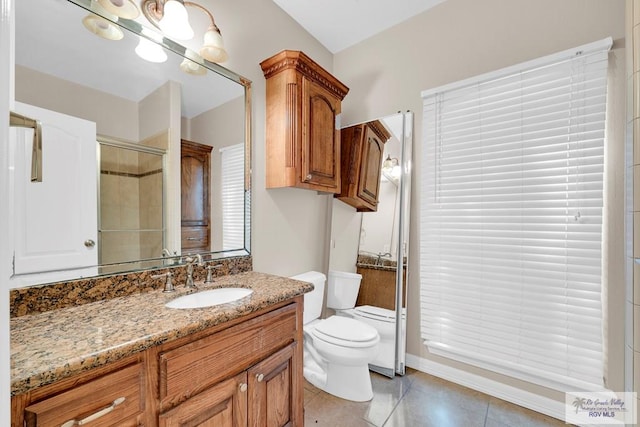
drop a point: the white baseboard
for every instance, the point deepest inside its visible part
(535, 402)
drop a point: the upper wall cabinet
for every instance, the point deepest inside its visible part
(362, 150)
(303, 136)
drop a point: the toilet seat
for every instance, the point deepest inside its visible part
(345, 332)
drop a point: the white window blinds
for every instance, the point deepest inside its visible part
(232, 160)
(511, 219)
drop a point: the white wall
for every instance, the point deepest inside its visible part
(114, 116)
(462, 38)
(288, 225)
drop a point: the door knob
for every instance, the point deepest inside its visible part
(259, 377)
(89, 243)
(243, 387)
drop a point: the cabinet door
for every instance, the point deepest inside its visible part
(194, 194)
(223, 405)
(320, 145)
(369, 183)
(274, 391)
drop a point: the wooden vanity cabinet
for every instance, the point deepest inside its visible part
(362, 152)
(302, 135)
(249, 374)
(245, 372)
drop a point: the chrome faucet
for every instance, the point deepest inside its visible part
(380, 255)
(197, 260)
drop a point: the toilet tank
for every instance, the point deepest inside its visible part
(342, 289)
(312, 300)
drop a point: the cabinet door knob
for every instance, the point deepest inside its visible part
(89, 243)
(243, 387)
(259, 377)
(309, 177)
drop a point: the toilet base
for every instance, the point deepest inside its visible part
(349, 382)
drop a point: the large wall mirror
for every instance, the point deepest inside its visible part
(375, 245)
(113, 125)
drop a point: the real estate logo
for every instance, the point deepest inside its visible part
(600, 408)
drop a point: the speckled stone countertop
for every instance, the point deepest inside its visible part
(50, 346)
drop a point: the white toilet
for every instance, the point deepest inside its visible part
(344, 286)
(337, 350)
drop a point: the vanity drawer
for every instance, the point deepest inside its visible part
(193, 367)
(115, 399)
(195, 237)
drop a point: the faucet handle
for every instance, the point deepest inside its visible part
(168, 285)
(210, 269)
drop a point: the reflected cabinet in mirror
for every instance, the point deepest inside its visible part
(370, 231)
(119, 191)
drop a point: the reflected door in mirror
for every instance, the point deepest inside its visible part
(55, 221)
(194, 194)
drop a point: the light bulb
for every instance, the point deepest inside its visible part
(175, 21)
(150, 51)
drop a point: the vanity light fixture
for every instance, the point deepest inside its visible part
(148, 47)
(121, 8)
(102, 22)
(391, 169)
(192, 64)
(102, 27)
(171, 17)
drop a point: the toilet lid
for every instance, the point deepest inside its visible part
(345, 329)
(376, 313)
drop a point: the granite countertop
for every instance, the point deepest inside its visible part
(50, 346)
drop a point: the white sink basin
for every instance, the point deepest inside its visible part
(209, 298)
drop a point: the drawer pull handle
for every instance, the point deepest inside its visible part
(259, 377)
(95, 416)
(194, 238)
(243, 387)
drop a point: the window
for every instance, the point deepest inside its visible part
(232, 160)
(511, 219)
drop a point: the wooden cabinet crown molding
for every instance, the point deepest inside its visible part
(302, 135)
(294, 59)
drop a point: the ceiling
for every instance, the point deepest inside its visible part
(339, 24)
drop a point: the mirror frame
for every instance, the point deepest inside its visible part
(401, 251)
(175, 260)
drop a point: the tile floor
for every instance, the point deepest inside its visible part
(418, 400)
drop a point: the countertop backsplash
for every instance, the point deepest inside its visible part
(53, 296)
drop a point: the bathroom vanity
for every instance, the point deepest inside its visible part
(131, 361)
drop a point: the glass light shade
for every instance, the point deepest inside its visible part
(102, 27)
(123, 8)
(175, 21)
(190, 64)
(213, 47)
(149, 51)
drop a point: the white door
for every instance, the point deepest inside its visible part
(55, 221)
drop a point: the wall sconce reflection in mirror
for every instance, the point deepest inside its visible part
(170, 17)
(391, 169)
